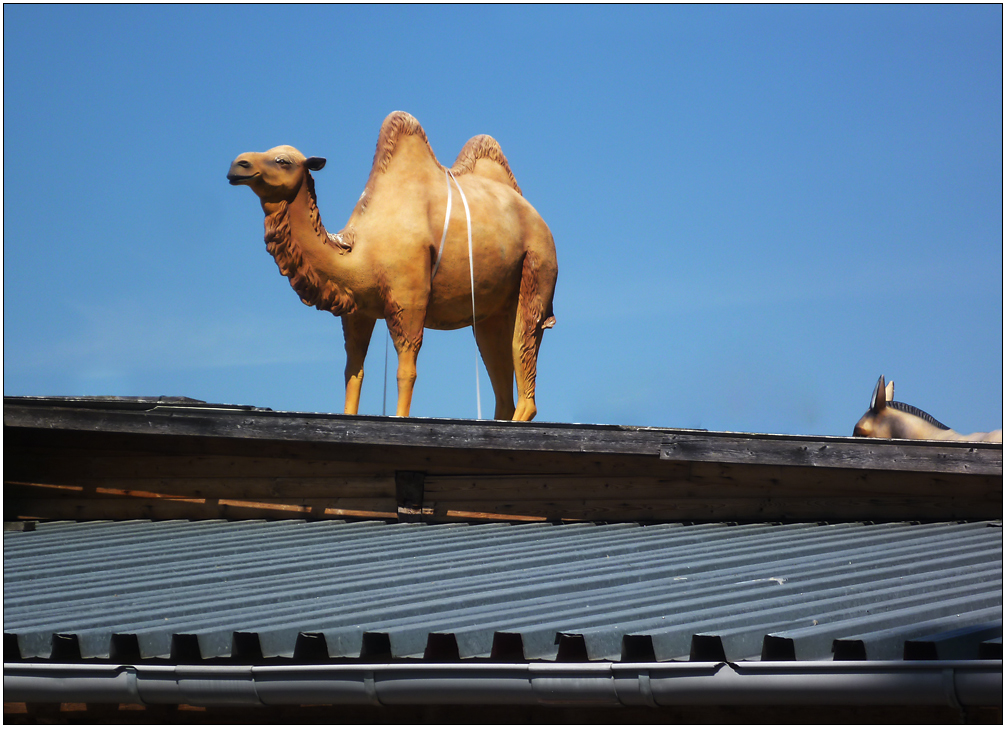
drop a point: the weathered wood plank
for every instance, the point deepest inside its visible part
(145, 508)
(61, 463)
(639, 495)
(715, 509)
(225, 423)
(196, 462)
(358, 457)
(704, 509)
(229, 475)
(478, 488)
(221, 476)
(819, 451)
(353, 487)
(823, 481)
(833, 453)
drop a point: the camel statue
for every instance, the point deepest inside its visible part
(887, 418)
(404, 256)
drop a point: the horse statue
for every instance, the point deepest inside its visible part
(887, 418)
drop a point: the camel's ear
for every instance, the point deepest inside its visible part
(315, 163)
(890, 391)
(878, 399)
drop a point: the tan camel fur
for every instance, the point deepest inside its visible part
(379, 266)
(887, 418)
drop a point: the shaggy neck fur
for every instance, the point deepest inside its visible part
(288, 252)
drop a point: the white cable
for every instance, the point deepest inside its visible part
(384, 395)
(447, 218)
(472, 281)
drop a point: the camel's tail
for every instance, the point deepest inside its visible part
(482, 156)
(538, 283)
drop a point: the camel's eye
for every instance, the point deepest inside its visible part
(283, 161)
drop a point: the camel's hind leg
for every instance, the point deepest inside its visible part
(534, 314)
(526, 344)
(493, 335)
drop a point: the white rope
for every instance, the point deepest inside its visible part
(384, 394)
(448, 177)
(472, 280)
(447, 218)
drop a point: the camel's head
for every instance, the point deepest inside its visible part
(274, 175)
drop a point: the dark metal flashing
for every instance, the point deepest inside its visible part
(956, 684)
(119, 402)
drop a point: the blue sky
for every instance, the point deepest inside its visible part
(757, 209)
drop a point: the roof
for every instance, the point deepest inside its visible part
(178, 552)
(333, 591)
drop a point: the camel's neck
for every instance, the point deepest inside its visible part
(298, 242)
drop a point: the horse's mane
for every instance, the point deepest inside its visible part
(918, 413)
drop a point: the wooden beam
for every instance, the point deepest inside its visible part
(672, 444)
(65, 461)
(377, 486)
(829, 452)
(754, 509)
(127, 507)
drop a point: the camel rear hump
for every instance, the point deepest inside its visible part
(483, 156)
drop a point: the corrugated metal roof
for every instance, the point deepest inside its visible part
(141, 589)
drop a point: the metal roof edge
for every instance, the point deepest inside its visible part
(921, 683)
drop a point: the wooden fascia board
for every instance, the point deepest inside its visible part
(666, 443)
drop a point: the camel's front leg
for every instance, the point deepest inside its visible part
(406, 329)
(357, 330)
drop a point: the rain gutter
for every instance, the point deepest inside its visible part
(906, 683)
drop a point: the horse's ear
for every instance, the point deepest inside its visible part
(890, 391)
(879, 399)
(315, 163)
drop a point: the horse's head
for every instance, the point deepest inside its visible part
(887, 418)
(879, 419)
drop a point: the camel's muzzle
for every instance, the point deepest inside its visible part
(241, 172)
(237, 179)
